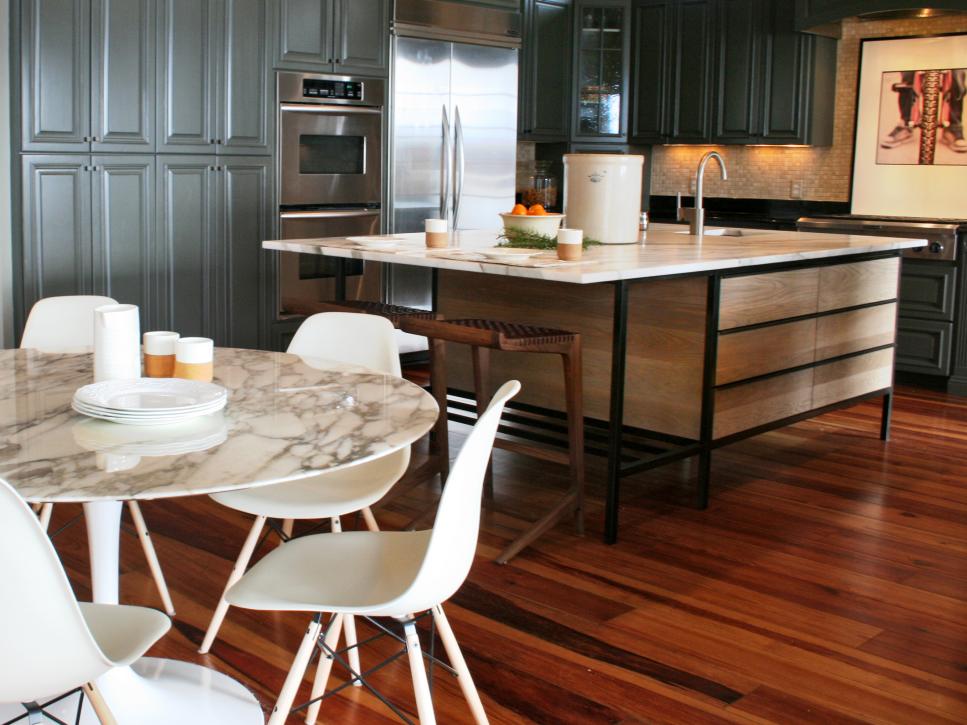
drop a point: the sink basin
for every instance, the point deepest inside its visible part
(722, 232)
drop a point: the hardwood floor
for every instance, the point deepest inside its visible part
(827, 582)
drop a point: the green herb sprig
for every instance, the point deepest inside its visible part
(521, 238)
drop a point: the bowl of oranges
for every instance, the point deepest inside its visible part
(534, 219)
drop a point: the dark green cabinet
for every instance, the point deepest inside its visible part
(729, 72)
(544, 93)
(88, 228)
(212, 77)
(925, 327)
(213, 214)
(326, 36)
(87, 74)
(602, 44)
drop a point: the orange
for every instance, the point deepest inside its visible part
(519, 210)
(536, 210)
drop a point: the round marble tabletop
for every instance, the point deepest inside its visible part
(287, 417)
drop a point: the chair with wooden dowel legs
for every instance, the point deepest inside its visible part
(382, 574)
(331, 337)
(51, 642)
(66, 324)
(485, 335)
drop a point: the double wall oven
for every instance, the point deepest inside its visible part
(330, 181)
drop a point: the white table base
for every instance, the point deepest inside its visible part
(152, 691)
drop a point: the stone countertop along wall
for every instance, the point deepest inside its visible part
(760, 172)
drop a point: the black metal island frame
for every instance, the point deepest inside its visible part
(722, 337)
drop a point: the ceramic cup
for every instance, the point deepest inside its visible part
(159, 353)
(194, 358)
(570, 244)
(436, 233)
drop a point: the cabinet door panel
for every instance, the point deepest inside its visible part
(737, 72)
(245, 208)
(123, 219)
(693, 54)
(844, 379)
(123, 75)
(55, 75)
(186, 240)
(305, 35)
(928, 290)
(56, 227)
(652, 47)
(547, 100)
(245, 96)
(924, 346)
(187, 79)
(362, 36)
(785, 75)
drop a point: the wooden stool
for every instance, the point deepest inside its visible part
(396, 314)
(486, 335)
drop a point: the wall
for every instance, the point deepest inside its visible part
(768, 172)
(6, 261)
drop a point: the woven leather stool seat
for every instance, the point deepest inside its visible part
(494, 334)
(394, 313)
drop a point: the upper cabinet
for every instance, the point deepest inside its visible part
(341, 36)
(545, 82)
(601, 45)
(729, 72)
(212, 77)
(87, 69)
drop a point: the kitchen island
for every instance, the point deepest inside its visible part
(689, 344)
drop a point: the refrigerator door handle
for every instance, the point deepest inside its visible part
(444, 165)
(459, 163)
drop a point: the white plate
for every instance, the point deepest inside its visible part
(150, 395)
(508, 252)
(150, 421)
(158, 417)
(375, 242)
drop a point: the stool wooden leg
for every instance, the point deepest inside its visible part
(45, 511)
(481, 392)
(438, 386)
(574, 393)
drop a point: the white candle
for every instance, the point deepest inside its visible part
(570, 236)
(570, 243)
(436, 233)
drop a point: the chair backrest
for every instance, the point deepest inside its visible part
(453, 541)
(46, 646)
(62, 324)
(349, 337)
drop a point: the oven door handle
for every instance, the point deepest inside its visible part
(321, 108)
(444, 164)
(328, 214)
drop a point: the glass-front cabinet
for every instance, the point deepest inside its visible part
(601, 70)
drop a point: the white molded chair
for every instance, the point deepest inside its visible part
(51, 642)
(382, 574)
(344, 337)
(66, 324)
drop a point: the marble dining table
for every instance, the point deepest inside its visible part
(287, 417)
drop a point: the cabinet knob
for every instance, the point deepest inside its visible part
(94, 138)
(87, 138)
(211, 140)
(218, 140)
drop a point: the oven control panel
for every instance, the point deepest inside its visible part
(337, 90)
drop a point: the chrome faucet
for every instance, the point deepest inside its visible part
(696, 216)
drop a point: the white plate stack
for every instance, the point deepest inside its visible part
(149, 401)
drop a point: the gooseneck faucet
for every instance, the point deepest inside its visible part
(696, 215)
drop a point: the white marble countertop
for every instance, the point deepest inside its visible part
(665, 251)
(287, 418)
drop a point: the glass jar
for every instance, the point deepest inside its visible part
(541, 187)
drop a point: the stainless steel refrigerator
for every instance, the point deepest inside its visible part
(453, 132)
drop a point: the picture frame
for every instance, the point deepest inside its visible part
(909, 150)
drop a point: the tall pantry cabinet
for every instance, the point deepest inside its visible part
(146, 133)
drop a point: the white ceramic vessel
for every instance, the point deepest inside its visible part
(602, 196)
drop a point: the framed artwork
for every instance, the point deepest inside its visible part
(909, 153)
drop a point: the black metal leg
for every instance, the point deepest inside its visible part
(708, 391)
(885, 416)
(619, 349)
(340, 280)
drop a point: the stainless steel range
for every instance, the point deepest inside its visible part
(932, 324)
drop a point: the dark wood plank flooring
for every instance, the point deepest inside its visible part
(827, 582)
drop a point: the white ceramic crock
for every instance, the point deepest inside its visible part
(602, 196)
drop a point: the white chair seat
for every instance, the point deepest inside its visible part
(124, 633)
(358, 572)
(322, 496)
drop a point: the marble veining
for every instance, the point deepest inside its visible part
(663, 252)
(287, 418)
